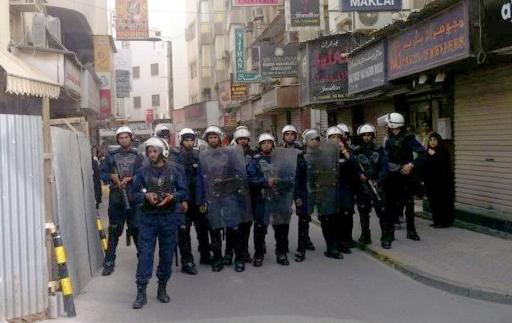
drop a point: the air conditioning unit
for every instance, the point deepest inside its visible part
(291, 37)
(368, 21)
(257, 14)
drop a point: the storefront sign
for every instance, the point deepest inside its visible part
(277, 61)
(371, 5)
(123, 84)
(105, 103)
(442, 39)
(241, 75)
(239, 91)
(304, 13)
(102, 54)
(255, 3)
(498, 15)
(132, 19)
(72, 76)
(328, 74)
(366, 69)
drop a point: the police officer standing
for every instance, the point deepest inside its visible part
(190, 159)
(241, 137)
(117, 170)
(398, 185)
(373, 166)
(290, 134)
(159, 187)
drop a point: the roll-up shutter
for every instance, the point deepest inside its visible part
(483, 139)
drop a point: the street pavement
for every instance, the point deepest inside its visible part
(356, 289)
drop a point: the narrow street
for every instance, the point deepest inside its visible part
(356, 289)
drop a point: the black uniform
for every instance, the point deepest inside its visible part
(374, 166)
(190, 161)
(399, 187)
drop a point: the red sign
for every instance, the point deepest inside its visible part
(105, 103)
(255, 3)
(149, 116)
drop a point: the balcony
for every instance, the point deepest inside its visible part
(279, 97)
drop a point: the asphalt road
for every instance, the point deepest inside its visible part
(355, 289)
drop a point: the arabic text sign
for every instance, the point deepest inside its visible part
(255, 3)
(366, 69)
(277, 61)
(371, 5)
(132, 19)
(304, 13)
(441, 40)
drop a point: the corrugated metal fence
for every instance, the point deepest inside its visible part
(23, 271)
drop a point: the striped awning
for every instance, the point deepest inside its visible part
(23, 79)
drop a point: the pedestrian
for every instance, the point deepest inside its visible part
(372, 162)
(346, 183)
(272, 175)
(96, 177)
(118, 170)
(159, 188)
(439, 183)
(290, 140)
(242, 137)
(225, 196)
(190, 159)
(399, 184)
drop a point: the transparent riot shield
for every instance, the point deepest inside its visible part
(225, 181)
(281, 170)
(322, 179)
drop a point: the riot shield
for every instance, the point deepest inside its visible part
(225, 181)
(281, 170)
(322, 179)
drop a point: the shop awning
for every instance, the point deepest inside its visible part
(23, 79)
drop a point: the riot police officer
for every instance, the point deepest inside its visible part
(226, 196)
(372, 161)
(159, 188)
(272, 177)
(117, 170)
(398, 185)
(290, 136)
(190, 159)
(242, 137)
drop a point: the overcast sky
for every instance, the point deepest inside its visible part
(170, 17)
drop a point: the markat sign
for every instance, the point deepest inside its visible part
(371, 5)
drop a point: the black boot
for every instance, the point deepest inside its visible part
(189, 268)
(108, 268)
(162, 293)
(239, 266)
(141, 299)
(217, 264)
(281, 236)
(333, 253)
(387, 239)
(365, 237)
(282, 259)
(260, 231)
(245, 232)
(114, 232)
(299, 256)
(413, 235)
(205, 258)
(228, 259)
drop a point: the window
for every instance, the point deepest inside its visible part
(136, 102)
(136, 72)
(207, 94)
(154, 69)
(155, 100)
(193, 70)
(205, 11)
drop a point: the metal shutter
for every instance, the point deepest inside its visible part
(483, 139)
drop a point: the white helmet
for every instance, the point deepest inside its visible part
(344, 128)
(124, 129)
(334, 131)
(304, 132)
(159, 143)
(289, 127)
(266, 136)
(241, 133)
(185, 131)
(395, 120)
(160, 128)
(241, 127)
(212, 129)
(366, 128)
(311, 134)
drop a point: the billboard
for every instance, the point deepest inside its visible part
(105, 103)
(132, 19)
(370, 5)
(304, 13)
(122, 84)
(439, 40)
(366, 68)
(102, 53)
(278, 61)
(255, 3)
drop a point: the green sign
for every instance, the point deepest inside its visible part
(241, 75)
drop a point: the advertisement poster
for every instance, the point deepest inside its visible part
(255, 3)
(131, 19)
(278, 61)
(305, 13)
